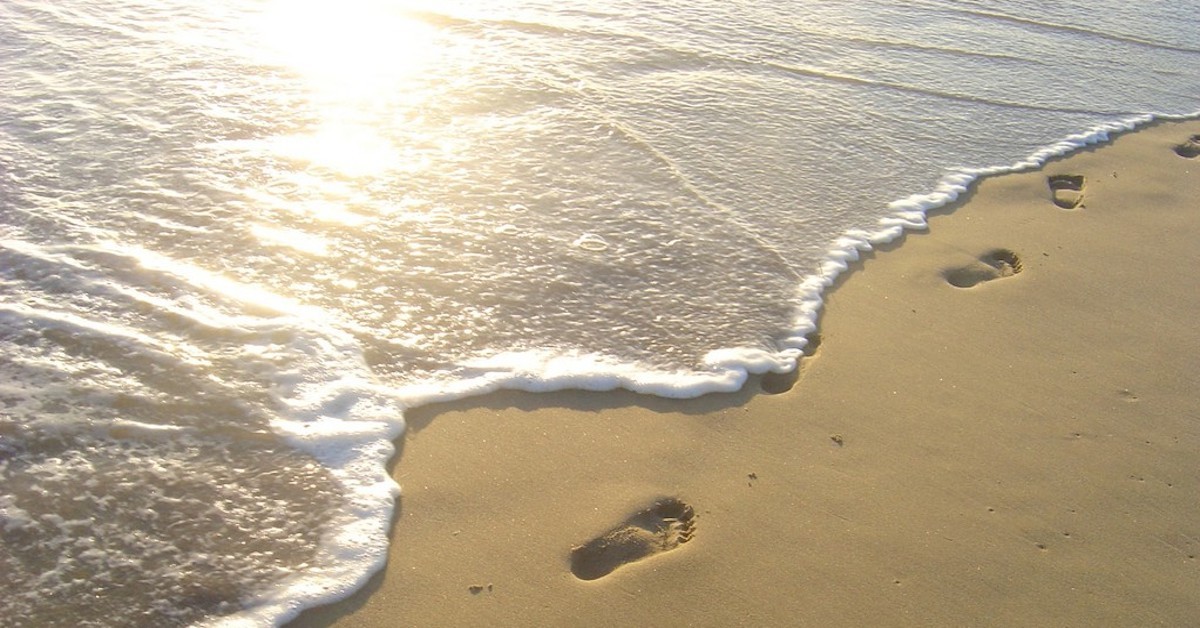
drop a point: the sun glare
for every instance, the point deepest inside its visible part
(353, 46)
(361, 59)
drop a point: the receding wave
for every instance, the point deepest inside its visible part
(914, 89)
(1075, 30)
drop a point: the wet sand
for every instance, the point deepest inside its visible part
(1000, 426)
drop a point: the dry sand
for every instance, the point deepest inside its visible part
(1025, 451)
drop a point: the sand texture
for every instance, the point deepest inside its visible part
(1000, 426)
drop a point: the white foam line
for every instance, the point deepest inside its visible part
(910, 214)
(728, 368)
(357, 451)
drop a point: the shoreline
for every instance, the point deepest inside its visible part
(1018, 450)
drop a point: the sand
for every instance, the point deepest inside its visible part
(1022, 450)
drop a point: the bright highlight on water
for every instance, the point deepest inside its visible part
(238, 239)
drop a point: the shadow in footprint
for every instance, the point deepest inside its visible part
(1067, 190)
(779, 383)
(994, 264)
(1189, 149)
(662, 527)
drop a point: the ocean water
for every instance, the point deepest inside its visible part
(239, 238)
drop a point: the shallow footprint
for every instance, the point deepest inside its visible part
(1067, 190)
(662, 527)
(1189, 149)
(994, 264)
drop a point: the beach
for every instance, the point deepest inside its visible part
(999, 425)
(262, 300)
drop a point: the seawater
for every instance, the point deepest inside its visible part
(239, 238)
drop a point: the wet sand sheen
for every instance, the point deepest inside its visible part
(1001, 426)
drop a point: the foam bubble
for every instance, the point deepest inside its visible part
(508, 229)
(591, 242)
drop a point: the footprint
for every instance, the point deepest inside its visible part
(662, 527)
(1189, 149)
(1067, 190)
(994, 264)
